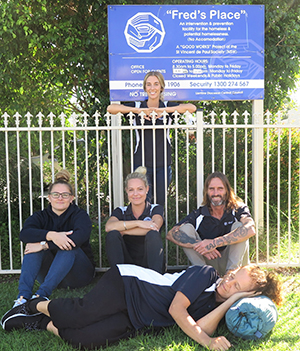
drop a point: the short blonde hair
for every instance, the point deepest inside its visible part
(139, 173)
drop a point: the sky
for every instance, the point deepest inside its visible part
(294, 114)
(296, 94)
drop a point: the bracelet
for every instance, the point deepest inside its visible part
(43, 243)
(125, 225)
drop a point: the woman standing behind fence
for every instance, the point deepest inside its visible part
(57, 251)
(154, 86)
(134, 231)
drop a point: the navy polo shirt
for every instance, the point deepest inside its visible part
(209, 227)
(149, 293)
(148, 136)
(125, 214)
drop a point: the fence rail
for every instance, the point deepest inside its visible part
(98, 151)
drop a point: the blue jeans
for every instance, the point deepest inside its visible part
(160, 183)
(64, 269)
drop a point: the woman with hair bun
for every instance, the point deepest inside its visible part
(57, 251)
(133, 232)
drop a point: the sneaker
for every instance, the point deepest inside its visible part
(19, 301)
(28, 322)
(44, 298)
(32, 303)
(21, 309)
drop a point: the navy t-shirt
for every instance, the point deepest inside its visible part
(149, 294)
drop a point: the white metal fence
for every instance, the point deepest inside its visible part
(98, 151)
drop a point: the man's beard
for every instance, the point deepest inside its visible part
(218, 202)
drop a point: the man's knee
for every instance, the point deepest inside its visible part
(189, 230)
(237, 255)
(236, 225)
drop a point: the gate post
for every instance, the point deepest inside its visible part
(258, 167)
(117, 160)
(200, 158)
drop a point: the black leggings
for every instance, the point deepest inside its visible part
(98, 319)
(146, 251)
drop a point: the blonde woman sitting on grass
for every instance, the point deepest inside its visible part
(133, 231)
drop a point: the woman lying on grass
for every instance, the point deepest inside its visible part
(128, 298)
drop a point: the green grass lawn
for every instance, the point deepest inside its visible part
(285, 335)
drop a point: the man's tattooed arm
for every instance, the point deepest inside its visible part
(238, 235)
(179, 237)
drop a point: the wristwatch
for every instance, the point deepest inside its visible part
(43, 243)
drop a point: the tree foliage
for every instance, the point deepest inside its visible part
(51, 50)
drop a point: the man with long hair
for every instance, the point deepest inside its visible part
(218, 232)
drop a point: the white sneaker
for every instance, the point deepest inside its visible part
(19, 301)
